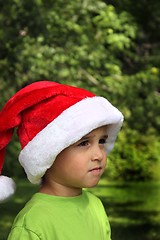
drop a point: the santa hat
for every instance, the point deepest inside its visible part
(50, 117)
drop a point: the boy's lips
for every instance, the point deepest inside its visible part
(95, 169)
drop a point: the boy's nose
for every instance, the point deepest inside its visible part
(98, 154)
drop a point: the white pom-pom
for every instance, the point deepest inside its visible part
(7, 188)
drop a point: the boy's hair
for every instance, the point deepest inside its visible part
(50, 117)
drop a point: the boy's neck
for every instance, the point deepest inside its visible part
(57, 189)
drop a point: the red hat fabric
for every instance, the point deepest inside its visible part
(50, 117)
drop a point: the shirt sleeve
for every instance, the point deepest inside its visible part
(20, 233)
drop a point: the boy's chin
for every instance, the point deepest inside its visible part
(92, 185)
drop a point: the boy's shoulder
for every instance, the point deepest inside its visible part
(93, 199)
(90, 195)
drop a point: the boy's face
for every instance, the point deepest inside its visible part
(81, 164)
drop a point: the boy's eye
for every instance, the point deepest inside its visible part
(102, 141)
(83, 143)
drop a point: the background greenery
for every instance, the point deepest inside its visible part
(109, 47)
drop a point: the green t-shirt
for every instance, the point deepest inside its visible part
(47, 217)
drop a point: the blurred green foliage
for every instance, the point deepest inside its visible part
(109, 47)
(133, 208)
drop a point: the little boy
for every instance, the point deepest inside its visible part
(65, 133)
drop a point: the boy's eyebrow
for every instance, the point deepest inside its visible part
(91, 136)
(105, 136)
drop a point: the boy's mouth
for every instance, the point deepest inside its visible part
(96, 169)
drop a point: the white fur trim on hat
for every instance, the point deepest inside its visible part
(7, 188)
(69, 127)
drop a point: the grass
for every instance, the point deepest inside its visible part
(133, 208)
(9, 209)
